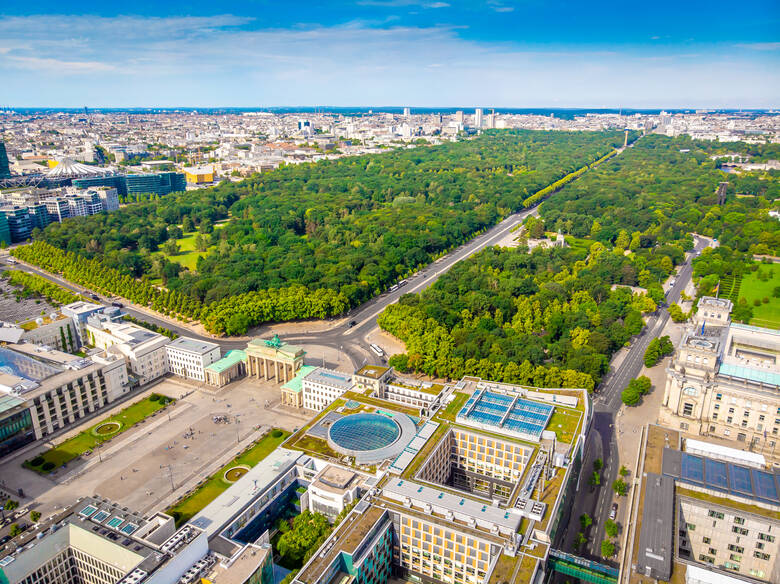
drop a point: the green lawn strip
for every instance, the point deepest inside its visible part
(88, 439)
(564, 422)
(188, 507)
(751, 289)
(453, 407)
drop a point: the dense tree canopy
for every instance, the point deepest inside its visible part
(346, 229)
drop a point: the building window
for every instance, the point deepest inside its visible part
(715, 514)
(766, 537)
(705, 540)
(718, 396)
(739, 520)
(688, 409)
(707, 559)
(740, 530)
(736, 548)
(731, 566)
(683, 426)
(761, 555)
(741, 437)
(690, 391)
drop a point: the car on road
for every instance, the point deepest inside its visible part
(94, 297)
(352, 323)
(118, 304)
(672, 283)
(613, 511)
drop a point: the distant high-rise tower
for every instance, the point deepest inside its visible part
(407, 112)
(5, 169)
(625, 140)
(459, 117)
(478, 117)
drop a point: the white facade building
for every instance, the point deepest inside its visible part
(322, 386)
(143, 350)
(188, 358)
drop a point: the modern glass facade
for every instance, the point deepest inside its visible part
(16, 430)
(5, 231)
(5, 170)
(160, 184)
(18, 222)
(116, 181)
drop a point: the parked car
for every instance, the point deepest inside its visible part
(613, 511)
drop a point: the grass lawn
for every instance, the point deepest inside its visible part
(187, 508)
(751, 289)
(453, 407)
(315, 445)
(89, 439)
(188, 256)
(564, 422)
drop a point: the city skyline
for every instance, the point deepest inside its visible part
(402, 52)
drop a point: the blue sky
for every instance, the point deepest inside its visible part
(490, 53)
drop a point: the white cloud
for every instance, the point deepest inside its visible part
(226, 60)
(760, 46)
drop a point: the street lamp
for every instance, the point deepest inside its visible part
(237, 428)
(170, 474)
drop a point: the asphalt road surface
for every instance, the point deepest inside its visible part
(601, 440)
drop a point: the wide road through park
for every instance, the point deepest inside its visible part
(601, 440)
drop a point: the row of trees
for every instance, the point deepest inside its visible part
(657, 350)
(33, 284)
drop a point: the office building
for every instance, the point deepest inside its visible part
(196, 175)
(333, 489)
(157, 183)
(96, 541)
(55, 329)
(421, 395)
(19, 225)
(77, 206)
(478, 118)
(116, 181)
(110, 198)
(455, 505)
(56, 389)
(724, 379)
(143, 350)
(189, 358)
(80, 311)
(5, 231)
(407, 112)
(5, 169)
(321, 386)
(39, 215)
(58, 208)
(703, 513)
(371, 378)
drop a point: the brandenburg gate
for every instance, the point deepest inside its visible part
(268, 359)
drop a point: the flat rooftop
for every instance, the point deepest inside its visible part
(372, 371)
(217, 514)
(331, 378)
(725, 477)
(347, 536)
(506, 413)
(656, 547)
(192, 345)
(444, 501)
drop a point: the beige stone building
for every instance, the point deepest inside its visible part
(273, 359)
(724, 380)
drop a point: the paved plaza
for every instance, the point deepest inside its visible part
(151, 465)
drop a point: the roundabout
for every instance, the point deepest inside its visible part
(233, 474)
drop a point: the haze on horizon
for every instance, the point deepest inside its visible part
(423, 53)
